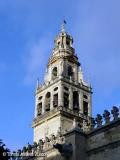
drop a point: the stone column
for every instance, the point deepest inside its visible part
(51, 101)
(43, 104)
(70, 98)
(60, 96)
(80, 102)
(50, 73)
(61, 69)
(89, 105)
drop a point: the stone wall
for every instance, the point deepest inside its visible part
(104, 142)
(98, 139)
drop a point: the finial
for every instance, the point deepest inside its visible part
(63, 26)
(38, 82)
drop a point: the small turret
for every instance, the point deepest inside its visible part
(63, 40)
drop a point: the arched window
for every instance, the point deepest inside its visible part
(39, 109)
(84, 96)
(66, 100)
(85, 108)
(54, 72)
(70, 71)
(55, 100)
(47, 101)
(65, 88)
(75, 100)
(55, 89)
(67, 42)
(58, 43)
(40, 98)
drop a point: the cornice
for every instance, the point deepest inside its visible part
(63, 79)
(56, 112)
(71, 58)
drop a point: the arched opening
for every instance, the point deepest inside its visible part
(40, 98)
(54, 73)
(75, 100)
(66, 88)
(58, 43)
(39, 109)
(55, 100)
(47, 101)
(70, 71)
(68, 43)
(84, 96)
(66, 100)
(85, 108)
(56, 88)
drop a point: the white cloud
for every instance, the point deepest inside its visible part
(36, 59)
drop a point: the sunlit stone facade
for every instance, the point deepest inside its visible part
(64, 128)
(64, 96)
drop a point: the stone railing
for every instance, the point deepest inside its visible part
(76, 113)
(99, 120)
(106, 118)
(45, 85)
(86, 125)
(61, 108)
(38, 149)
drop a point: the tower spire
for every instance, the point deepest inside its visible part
(63, 26)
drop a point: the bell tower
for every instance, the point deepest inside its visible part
(64, 96)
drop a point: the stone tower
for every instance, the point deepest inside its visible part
(64, 97)
(64, 128)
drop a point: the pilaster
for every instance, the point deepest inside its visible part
(80, 102)
(43, 104)
(70, 98)
(90, 105)
(60, 96)
(51, 101)
(76, 74)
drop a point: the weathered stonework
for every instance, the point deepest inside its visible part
(64, 87)
(63, 125)
(104, 142)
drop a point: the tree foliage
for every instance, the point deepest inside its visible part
(3, 151)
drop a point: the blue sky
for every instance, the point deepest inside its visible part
(27, 31)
